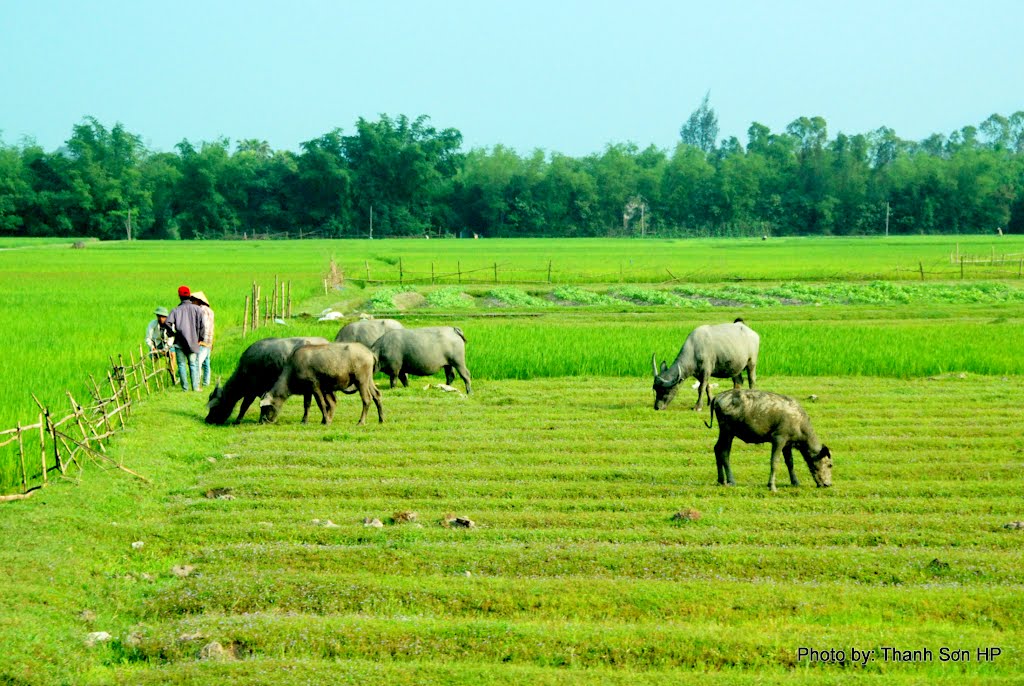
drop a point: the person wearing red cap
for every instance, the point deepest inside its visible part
(186, 323)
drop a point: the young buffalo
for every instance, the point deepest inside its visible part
(762, 417)
(319, 371)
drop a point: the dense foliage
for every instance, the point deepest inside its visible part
(405, 177)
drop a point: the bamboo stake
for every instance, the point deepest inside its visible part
(142, 365)
(245, 316)
(117, 399)
(100, 401)
(256, 309)
(21, 454)
(42, 446)
(459, 266)
(274, 306)
(367, 263)
(549, 271)
(289, 298)
(495, 272)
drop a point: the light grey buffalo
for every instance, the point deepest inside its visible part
(721, 351)
(258, 370)
(319, 371)
(422, 352)
(366, 331)
(763, 417)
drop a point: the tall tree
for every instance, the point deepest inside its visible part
(701, 129)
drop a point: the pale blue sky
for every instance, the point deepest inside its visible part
(567, 76)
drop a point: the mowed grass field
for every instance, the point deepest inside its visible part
(575, 570)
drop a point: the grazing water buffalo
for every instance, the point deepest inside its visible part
(366, 331)
(722, 351)
(422, 352)
(258, 369)
(319, 371)
(762, 417)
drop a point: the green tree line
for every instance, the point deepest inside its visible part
(406, 177)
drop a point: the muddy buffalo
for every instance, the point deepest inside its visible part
(318, 371)
(763, 417)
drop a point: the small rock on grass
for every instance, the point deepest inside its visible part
(455, 522)
(1014, 525)
(97, 637)
(182, 571)
(215, 651)
(87, 616)
(405, 516)
(220, 494)
(325, 523)
(373, 522)
(686, 515)
(138, 545)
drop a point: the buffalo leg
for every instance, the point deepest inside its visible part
(463, 371)
(776, 454)
(404, 379)
(307, 398)
(449, 375)
(737, 381)
(722, 450)
(365, 394)
(321, 402)
(375, 394)
(702, 388)
(392, 376)
(246, 402)
(787, 454)
(751, 374)
(332, 402)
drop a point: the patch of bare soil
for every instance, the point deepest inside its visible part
(409, 301)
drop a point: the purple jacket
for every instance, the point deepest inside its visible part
(187, 323)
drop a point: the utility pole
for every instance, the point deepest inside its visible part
(886, 218)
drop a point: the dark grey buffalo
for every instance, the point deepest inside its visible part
(258, 369)
(763, 417)
(366, 331)
(721, 351)
(318, 371)
(422, 352)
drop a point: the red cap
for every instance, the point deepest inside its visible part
(184, 292)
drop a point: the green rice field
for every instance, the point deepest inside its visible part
(257, 565)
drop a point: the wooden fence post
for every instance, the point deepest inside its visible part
(117, 400)
(431, 272)
(367, 263)
(459, 265)
(961, 268)
(42, 445)
(401, 271)
(549, 271)
(921, 267)
(21, 454)
(245, 317)
(275, 304)
(495, 272)
(289, 298)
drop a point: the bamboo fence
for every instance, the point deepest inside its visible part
(53, 445)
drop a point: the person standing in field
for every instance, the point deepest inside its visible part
(156, 335)
(206, 344)
(186, 324)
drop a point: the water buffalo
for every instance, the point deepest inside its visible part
(762, 417)
(366, 331)
(319, 371)
(422, 352)
(258, 369)
(722, 351)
